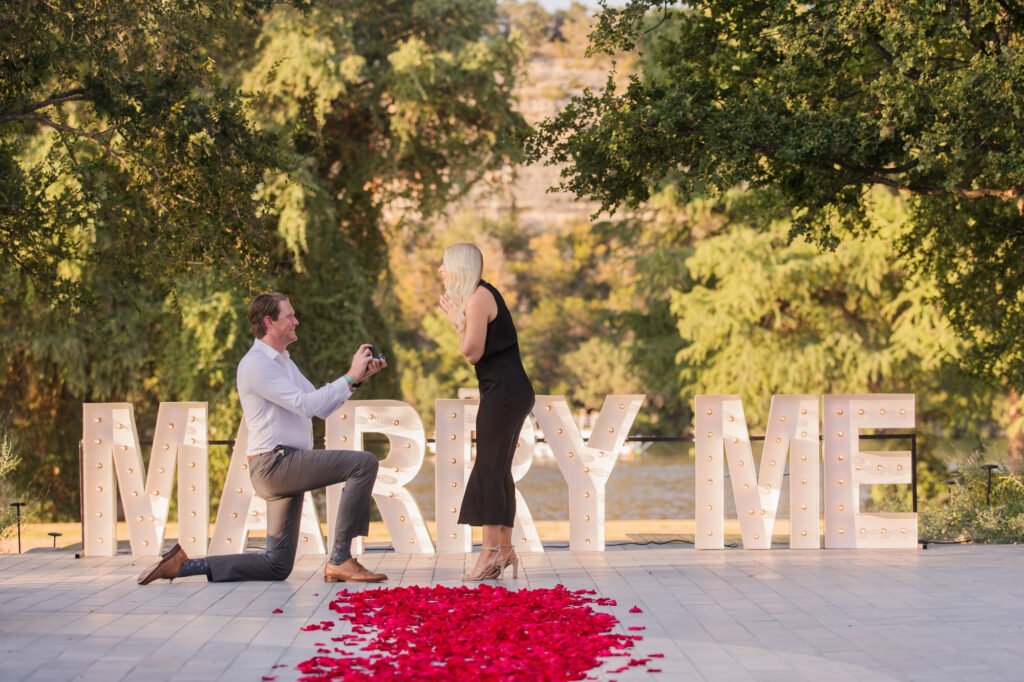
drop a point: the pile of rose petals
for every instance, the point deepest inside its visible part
(487, 632)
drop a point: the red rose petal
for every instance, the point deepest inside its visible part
(485, 632)
(277, 611)
(635, 609)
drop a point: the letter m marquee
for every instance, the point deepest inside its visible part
(721, 437)
(112, 451)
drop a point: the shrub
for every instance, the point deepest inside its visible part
(966, 516)
(8, 460)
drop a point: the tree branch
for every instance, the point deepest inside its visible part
(965, 192)
(872, 41)
(1012, 9)
(95, 137)
(885, 170)
(75, 95)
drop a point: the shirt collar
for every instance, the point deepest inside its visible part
(265, 348)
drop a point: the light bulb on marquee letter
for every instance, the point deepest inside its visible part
(847, 468)
(586, 467)
(401, 425)
(792, 425)
(110, 435)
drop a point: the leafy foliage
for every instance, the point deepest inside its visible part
(816, 104)
(971, 513)
(9, 459)
(234, 158)
(121, 144)
(805, 321)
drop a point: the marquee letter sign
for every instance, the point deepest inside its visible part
(401, 425)
(456, 422)
(111, 458)
(794, 419)
(111, 445)
(792, 425)
(586, 466)
(847, 468)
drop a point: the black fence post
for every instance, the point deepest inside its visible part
(913, 467)
(988, 486)
(18, 506)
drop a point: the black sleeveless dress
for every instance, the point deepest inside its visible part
(506, 398)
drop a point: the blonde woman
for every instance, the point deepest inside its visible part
(487, 339)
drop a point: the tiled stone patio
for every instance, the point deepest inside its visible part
(950, 612)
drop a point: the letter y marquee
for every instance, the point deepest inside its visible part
(586, 466)
(111, 445)
(792, 424)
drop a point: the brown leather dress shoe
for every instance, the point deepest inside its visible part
(351, 572)
(167, 568)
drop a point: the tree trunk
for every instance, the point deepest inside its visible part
(1015, 433)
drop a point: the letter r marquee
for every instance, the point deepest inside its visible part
(401, 425)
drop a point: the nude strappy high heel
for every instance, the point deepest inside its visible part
(487, 573)
(511, 558)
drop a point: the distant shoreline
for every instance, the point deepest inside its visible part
(34, 535)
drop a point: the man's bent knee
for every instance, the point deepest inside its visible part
(278, 572)
(367, 463)
(280, 567)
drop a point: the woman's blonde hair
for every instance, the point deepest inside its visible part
(464, 264)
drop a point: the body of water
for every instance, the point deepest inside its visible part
(655, 485)
(659, 483)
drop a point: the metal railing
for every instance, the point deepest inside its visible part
(911, 436)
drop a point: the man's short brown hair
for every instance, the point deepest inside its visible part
(260, 307)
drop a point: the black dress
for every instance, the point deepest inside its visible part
(506, 398)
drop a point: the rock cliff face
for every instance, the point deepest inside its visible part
(548, 84)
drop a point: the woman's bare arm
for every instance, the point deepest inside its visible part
(481, 308)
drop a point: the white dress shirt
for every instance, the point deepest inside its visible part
(278, 402)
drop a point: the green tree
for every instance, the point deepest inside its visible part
(765, 315)
(364, 110)
(8, 461)
(816, 103)
(122, 144)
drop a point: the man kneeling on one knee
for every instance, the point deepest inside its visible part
(278, 404)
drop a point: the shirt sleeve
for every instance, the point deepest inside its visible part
(275, 385)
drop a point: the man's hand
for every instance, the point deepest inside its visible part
(364, 364)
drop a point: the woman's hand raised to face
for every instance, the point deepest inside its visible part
(448, 309)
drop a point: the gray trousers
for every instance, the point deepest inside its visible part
(282, 478)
